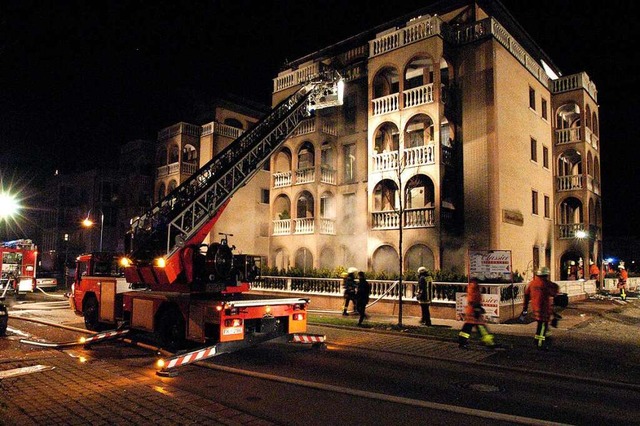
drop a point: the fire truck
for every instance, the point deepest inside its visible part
(174, 285)
(19, 262)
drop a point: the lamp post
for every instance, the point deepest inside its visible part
(87, 222)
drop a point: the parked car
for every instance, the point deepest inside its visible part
(46, 280)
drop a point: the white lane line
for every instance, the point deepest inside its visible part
(382, 397)
(14, 372)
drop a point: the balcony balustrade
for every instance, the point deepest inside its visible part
(593, 185)
(306, 175)
(384, 220)
(282, 227)
(591, 138)
(327, 226)
(420, 218)
(328, 175)
(386, 104)
(568, 231)
(420, 155)
(304, 225)
(568, 135)
(418, 96)
(282, 179)
(569, 183)
(385, 161)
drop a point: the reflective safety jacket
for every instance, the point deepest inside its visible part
(622, 278)
(541, 292)
(473, 311)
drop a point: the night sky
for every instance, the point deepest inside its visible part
(80, 78)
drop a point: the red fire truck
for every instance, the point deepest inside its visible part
(172, 284)
(19, 262)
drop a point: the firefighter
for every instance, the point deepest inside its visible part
(594, 271)
(541, 292)
(623, 275)
(362, 296)
(474, 317)
(424, 295)
(349, 290)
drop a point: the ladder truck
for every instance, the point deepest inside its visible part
(182, 290)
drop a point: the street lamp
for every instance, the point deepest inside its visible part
(9, 206)
(88, 223)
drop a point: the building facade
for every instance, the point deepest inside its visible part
(457, 133)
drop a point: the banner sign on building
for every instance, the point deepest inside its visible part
(490, 266)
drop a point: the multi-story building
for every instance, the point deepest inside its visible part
(183, 148)
(457, 132)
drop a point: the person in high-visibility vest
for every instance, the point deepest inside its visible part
(594, 271)
(424, 295)
(541, 292)
(623, 275)
(474, 318)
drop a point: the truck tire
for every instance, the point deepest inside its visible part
(4, 319)
(170, 329)
(90, 311)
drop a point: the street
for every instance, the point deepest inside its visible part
(362, 377)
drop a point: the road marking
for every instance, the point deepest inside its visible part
(14, 372)
(382, 397)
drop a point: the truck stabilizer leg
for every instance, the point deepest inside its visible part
(101, 337)
(307, 338)
(184, 359)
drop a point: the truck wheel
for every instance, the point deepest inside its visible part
(4, 319)
(170, 329)
(90, 312)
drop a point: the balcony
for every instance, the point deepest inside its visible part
(420, 155)
(414, 31)
(413, 218)
(282, 179)
(411, 98)
(593, 185)
(304, 225)
(569, 183)
(306, 175)
(568, 231)
(327, 226)
(282, 227)
(564, 136)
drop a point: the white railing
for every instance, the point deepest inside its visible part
(591, 138)
(385, 161)
(305, 127)
(291, 78)
(569, 183)
(419, 218)
(178, 129)
(162, 171)
(304, 226)
(305, 175)
(414, 31)
(420, 155)
(174, 168)
(282, 179)
(328, 175)
(568, 231)
(189, 168)
(444, 292)
(384, 220)
(593, 185)
(567, 135)
(327, 226)
(573, 82)
(282, 227)
(418, 96)
(385, 104)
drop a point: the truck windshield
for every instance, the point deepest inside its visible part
(107, 268)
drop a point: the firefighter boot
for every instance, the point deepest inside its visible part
(623, 294)
(486, 337)
(463, 340)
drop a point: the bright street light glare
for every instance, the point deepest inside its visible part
(87, 222)
(9, 206)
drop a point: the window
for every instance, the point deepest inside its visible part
(264, 196)
(536, 258)
(534, 202)
(543, 108)
(532, 98)
(349, 154)
(534, 150)
(547, 211)
(545, 157)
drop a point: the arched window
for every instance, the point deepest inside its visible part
(385, 258)
(419, 255)
(174, 155)
(386, 82)
(304, 259)
(233, 123)
(385, 195)
(304, 205)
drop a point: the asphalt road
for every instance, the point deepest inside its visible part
(365, 377)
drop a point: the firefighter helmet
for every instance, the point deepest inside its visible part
(621, 266)
(352, 270)
(422, 270)
(543, 271)
(344, 274)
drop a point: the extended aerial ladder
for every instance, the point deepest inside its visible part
(186, 215)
